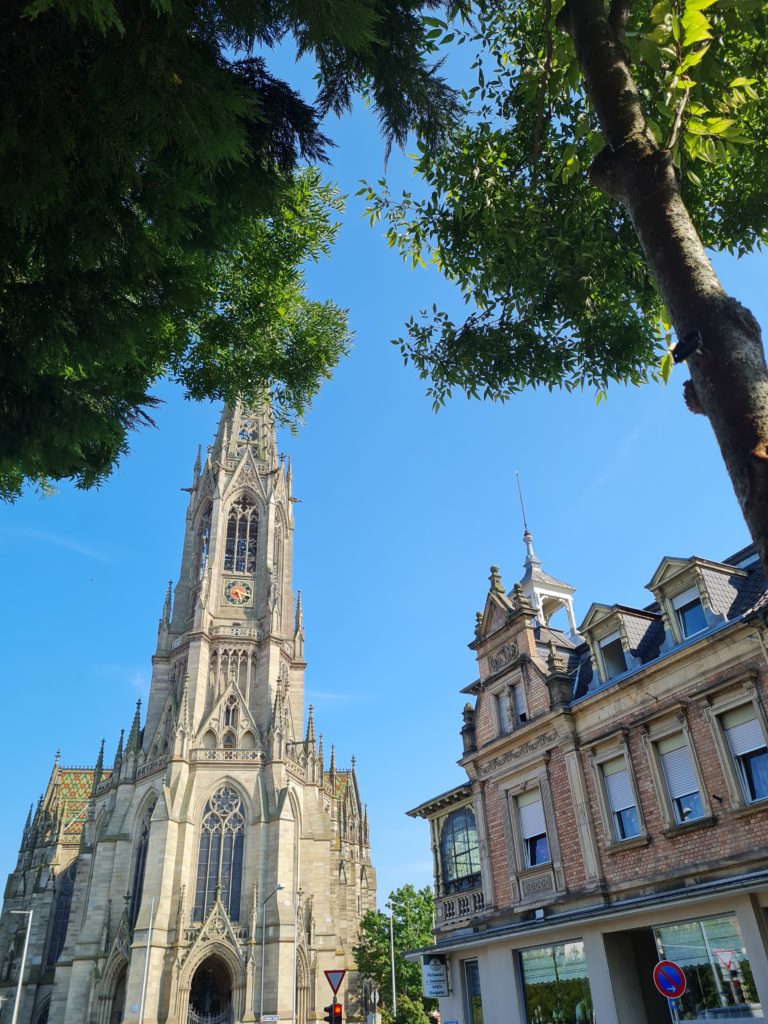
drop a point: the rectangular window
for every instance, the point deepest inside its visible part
(690, 612)
(506, 714)
(518, 700)
(680, 775)
(621, 799)
(556, 983)
(473, 1000)
(747, 744)
(720, 985)
(512, 708)
(614, 658)
(533, 828)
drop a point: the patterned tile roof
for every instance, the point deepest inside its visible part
(70, 802)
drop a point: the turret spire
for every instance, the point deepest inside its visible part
(133, 744)
(310, 737)
(98, 770)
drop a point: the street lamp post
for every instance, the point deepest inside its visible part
(296, 911)
(264, 902)
(392, 957)
(17, 1001)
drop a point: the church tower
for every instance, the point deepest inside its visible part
(218, 867)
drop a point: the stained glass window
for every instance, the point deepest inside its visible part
(242, 536)
(65, 887)
(220, 863)
(140, 864)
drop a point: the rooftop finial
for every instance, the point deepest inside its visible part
(495, 580)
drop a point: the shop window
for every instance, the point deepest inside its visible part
(689, 612)
(748, 748)
(533, 829)
(621, 799)
(680, 777)
(459, 852)
(614, 659)
(473, 1000)
(556, 984)
(719, 977)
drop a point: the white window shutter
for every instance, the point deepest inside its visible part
(678, 769)
(618, 785)
(532, 821)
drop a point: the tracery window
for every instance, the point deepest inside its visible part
(242, 535)
(230, 712)
(65, 887)
(203, 542)
(459, 851)
(220, 862)
(140, 864)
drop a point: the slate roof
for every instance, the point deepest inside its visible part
(731, 596)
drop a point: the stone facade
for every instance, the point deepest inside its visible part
(616, 800)
(219, 866)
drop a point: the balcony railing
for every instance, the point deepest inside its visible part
(458, 908)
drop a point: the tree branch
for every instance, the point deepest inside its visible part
(618, 17)
(538, 129)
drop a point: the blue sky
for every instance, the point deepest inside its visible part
(402, 512)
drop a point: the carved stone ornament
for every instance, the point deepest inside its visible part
(505, 655)
(514, 755)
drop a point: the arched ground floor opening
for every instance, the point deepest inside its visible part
(117, 1011)
(210, 994)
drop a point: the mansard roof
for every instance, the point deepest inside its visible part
(737, 587)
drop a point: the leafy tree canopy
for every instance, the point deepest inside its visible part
(413, 914)
(150, 222)
(561, 291)
(605, 144)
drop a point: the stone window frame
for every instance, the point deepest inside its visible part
(652, 733)
(730, 696)
(609, 750)
(535, 776)
(686, 577)
(608, 626)
(504, 690)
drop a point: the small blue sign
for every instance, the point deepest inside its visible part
(669, 979)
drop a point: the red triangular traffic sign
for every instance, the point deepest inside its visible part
(335, 979)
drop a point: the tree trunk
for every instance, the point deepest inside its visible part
(729, 378)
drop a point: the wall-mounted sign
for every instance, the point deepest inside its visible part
(434, 972)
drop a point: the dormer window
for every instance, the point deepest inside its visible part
(614, 659)
(689, 613)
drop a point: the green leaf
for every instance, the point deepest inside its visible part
(696, 27)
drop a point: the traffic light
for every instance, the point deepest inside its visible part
(334, 1014)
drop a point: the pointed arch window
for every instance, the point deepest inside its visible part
(65, 887)
(231, 712)
(203, 542)
(140, 864)
(220, 861)
(242, 536)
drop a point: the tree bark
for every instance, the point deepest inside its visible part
(729, 378)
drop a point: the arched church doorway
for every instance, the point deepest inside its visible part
(117, 1013)
(210, 995)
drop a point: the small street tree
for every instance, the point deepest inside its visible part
(413, 915)
(607, 145)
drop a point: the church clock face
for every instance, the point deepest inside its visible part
(238, 592)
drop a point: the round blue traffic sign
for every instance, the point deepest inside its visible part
(669, 979)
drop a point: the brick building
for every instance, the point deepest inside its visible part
(615, 809)
(223, 862)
